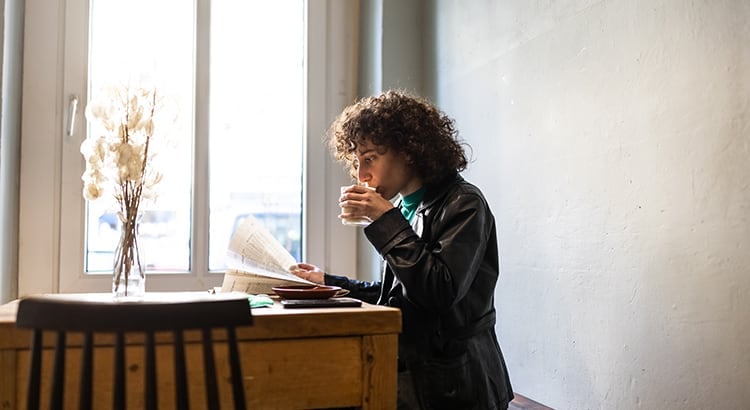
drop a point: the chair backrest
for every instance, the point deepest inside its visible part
(157, 312)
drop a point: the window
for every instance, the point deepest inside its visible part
(254, 117)
(120, 53)
(250, 144)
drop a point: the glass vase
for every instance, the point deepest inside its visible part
(128, 273)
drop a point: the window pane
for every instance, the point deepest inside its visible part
(129, 40)
(256, 120)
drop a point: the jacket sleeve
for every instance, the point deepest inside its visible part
(364, 291)
(438, 271)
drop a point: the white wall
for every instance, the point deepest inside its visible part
(612, 139)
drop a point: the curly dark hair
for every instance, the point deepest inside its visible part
(405, 123)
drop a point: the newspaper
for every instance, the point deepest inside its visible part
(257, 262)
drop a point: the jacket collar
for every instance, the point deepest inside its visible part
(438, 190)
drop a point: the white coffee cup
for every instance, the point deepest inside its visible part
(359, 221)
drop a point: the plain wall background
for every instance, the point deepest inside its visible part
(612, 140)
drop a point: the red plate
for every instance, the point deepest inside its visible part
(306, 291)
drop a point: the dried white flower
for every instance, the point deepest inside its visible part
(91, 191)
(119, 154)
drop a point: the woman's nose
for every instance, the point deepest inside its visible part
(362, 175)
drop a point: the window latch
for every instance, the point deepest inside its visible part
(72, 110)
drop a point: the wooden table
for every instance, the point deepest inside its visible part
(291, 358)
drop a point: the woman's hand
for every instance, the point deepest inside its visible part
(308, 272)
(359, 201)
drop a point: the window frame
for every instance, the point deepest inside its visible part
(51, 229)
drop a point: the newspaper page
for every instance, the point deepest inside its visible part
(257, 262)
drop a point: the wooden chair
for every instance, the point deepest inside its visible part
(99, 313)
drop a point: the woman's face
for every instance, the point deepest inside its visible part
(387, 170)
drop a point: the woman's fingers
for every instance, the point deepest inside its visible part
(309, 272)
(305, 266)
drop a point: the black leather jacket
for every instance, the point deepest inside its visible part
(441, 272)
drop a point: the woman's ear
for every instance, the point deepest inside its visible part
(408, 160)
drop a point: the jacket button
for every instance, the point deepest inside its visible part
(393, 301)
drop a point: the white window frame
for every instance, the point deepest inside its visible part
(51, 230)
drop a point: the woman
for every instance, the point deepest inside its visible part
(439, 246)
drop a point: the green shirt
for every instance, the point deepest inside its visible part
(410, 203)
